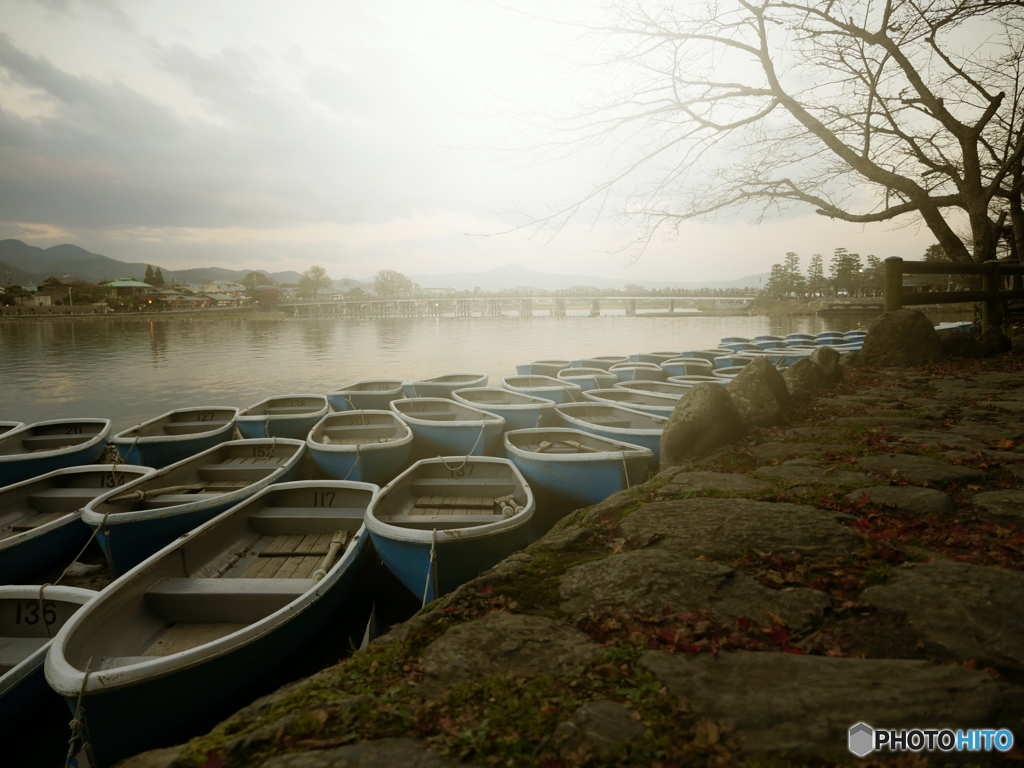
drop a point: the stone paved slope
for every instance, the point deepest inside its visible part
(759, 601)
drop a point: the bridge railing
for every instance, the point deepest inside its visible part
(990, 295)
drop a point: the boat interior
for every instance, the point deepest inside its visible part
(50, 437)
(435, 496)
(27, 623)
(377, 385)
(495, 396)
(34, 504)
(438, 409)
(359, 428)
(239, 571)
(189, 422)
(610, 416)
(289, 405)
(226, 469)
(561, 441)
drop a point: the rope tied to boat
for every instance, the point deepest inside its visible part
(465, 459)
(359, 458)
(77, 724)
(431, 565)
(625, 471)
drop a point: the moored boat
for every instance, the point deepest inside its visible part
(547, 387)
(603, 362)
(443, 386)
(7, 426)
(669, 388)
(290, 416)
(175, 435)
(371, 394)
(588, 378)
(637, 371)
(444, 520)
(518, 410)
(685, 366)
(648, 402)
(543, 367)
(366, 445)
(568, 468)
(29, 618)
(147, 514)
(654, 357)
(40, 518)
(203, 621)
(616, 422)
(442, 427)
(690, 381)
(46, 446)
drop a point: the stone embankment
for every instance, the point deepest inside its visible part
(855, 556)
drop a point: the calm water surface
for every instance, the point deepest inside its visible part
(132, 370)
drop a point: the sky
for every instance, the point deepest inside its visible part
(356, 135)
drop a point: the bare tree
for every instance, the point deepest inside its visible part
(867, 110)
(389, 283)
(313, 280)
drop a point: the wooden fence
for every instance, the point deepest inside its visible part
(990, 295)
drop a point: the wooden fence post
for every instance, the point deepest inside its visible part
(990, 309)
(893, 283)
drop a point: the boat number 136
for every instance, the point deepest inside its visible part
(28, 612)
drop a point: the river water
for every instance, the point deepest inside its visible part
(132, 370)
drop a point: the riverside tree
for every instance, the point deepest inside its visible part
(313, 280)
(866, 110)
(389, 284)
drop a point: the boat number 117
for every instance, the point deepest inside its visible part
(28, 612)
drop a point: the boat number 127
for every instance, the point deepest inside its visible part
(28, 612)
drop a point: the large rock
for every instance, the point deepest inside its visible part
(704, 419)
(781, 702)
(901, 338)
(1009, 504)
(828, 360)
(921, 501)
(715, 481)
(960, 344)
(724, 528)
(921, 469)
(601, 726)
(968, 611)
(651, 580)
(803, 378)
(501, 643)
(760, 394)
(994, 342)
(805, 471)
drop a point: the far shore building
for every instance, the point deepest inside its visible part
(125, 286)
(224, 287)
(178, 300)
(224, 300)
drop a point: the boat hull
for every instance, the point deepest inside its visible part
(159, 454)
(15, 468)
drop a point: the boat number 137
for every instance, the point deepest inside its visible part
(28, 612)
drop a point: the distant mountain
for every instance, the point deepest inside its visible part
(515, 276)
(34, 264)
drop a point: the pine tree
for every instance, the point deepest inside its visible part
(816, 275)
(158, 277)
(148, 279)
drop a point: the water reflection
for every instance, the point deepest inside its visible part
(130, 371)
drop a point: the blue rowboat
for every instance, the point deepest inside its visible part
(730, 372)
(369, 395)
(603, 362)
(648, 402)
(638, 371)
(147, 514)
(198, 624)
(588, 378)
(654, 357)
(443, 427)
(770, 344)
(29, 617)
(7, 426)
(46, 446)
(371, 446)
(568, 469)
(546, 387)
(543, 367)
(706, 354)
(739, 347)
(669, 388)
(40, 518)
(290, 416)
(768, 337)
(736, 340)
(175, 436)
(518, 410)
(737, 360)
(687, 366)
(795, 339)
(443, 386)
(444, 520)
(616, 423)
(689, 381)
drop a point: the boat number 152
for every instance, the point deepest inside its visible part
(28, 612)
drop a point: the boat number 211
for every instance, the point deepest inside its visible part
(28, 612)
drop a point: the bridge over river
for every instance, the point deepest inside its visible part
(489, 306)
